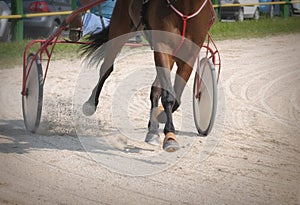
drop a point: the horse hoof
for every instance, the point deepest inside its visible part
(152, 139)
(88, 109)
(160, 115)
(170, 144)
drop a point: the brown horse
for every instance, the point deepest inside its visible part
(188, 21)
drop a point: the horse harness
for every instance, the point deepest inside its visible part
(184, 18)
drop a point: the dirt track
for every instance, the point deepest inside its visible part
(256, 160)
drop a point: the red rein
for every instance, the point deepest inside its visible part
(184, 19)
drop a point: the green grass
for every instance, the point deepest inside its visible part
(11, 54)
(255, 29)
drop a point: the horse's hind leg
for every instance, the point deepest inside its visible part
(112, 48)
(120, 25)
(89, 107)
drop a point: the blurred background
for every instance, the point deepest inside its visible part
(29, 27)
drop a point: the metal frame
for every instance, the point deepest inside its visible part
(47, 46)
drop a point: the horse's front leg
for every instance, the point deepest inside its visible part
(153, 125)
(183, 74)
(163, 67)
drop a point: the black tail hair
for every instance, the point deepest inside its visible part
(96, 41)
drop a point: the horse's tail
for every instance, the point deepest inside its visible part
(95, 45)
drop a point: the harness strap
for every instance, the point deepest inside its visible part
(184, 18)
(101, 16)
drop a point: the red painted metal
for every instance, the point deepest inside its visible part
(51, 42)
(212, 53)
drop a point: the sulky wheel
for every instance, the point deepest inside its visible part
(205, 96)
(32, 101)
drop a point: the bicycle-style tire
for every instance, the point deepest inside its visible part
(205, 97)
(32, 101)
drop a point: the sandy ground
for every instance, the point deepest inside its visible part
(251, 157)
